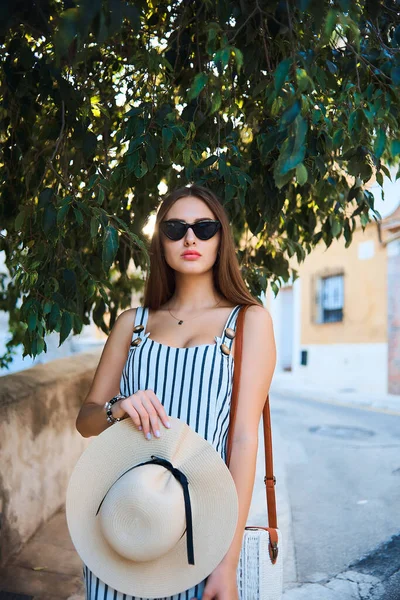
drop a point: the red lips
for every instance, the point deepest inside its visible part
(191, 253)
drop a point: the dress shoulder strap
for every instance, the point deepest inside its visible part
(230, 325)
(140, 322)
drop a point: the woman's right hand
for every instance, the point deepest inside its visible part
(144, 408)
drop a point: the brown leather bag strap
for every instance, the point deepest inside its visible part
(269, 478)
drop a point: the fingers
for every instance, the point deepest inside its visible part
(145, 410)
(158, 407)
(131, 411)
(151, 424)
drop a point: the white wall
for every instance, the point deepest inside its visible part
(360, 367)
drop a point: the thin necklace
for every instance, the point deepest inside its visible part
(180, 321)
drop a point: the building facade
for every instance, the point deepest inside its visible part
(338, 324)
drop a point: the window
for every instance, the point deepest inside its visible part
(330, 299)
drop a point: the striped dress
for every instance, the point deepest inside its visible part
(193, 384)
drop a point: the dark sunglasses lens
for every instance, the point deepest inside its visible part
(173, 230)
(205, 231)
(176, 230)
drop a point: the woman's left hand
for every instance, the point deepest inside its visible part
(221, 584)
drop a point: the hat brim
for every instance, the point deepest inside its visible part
(213, 498)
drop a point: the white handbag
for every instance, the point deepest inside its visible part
(260, 567)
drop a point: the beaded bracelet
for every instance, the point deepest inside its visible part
(108, 406)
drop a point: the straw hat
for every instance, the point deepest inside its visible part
(154, 529)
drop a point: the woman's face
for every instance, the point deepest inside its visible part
(190, 209)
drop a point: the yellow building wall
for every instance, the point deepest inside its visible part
(365, 291)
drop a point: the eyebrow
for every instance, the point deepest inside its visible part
(195, 221)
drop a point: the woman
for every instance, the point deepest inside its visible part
(187, 371)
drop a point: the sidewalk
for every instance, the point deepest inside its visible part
(48, 567)
(290, 384)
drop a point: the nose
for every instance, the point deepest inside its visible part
(190, 236)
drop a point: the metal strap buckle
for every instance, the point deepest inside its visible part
(275, 550)
(274, 479)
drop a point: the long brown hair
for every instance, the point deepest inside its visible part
(160, 283)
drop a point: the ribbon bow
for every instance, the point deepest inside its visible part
(181, 477)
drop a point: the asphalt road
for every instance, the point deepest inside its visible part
(343, 479)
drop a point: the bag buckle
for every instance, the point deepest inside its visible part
(275, 550)
(273, 478)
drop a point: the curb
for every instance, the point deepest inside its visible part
(360, 401)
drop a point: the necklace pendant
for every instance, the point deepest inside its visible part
(180, 322)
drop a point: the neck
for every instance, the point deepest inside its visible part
(193, 293)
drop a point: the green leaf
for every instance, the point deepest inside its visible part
(290, 114)
(78, 216)
(395, 75)
(330, 24)
(77, 324)
(301, 174)
(355, 120)
(215, 102)
(303, 80)
(92, 181)
(151, 157)
(110, 247)
(208, 161)
(53, 317)
(167, 135)
(103, 294)
(141, 170)
(338, 138)
(70, 283)
(386, 170)
(379, 145)
(336, 226)
(379, 178)
(19, 220)
(293, 149)
(45, 197)
(32, 320)
(302, 5)
(230, 191)
(66, 31)
(281, 72)
(395, 147)
(49, 218)
(66, 326)
(100, 196)
(213, 29)
(187, 156)
(89, 144)
(47, 307)
(62, 214)
(276, 106)
(198, 84)
(331, 67)
(282, 179)
(239, 58)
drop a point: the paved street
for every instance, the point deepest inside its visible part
(342, 469)
(338, 499)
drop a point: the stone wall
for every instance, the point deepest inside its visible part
(39, 444)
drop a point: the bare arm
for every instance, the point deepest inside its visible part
(143, 406)
(91, 419)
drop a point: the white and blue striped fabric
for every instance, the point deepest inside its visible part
(193, 384)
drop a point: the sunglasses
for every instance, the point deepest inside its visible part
(175, 229)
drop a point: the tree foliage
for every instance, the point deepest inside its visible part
(286, 109)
